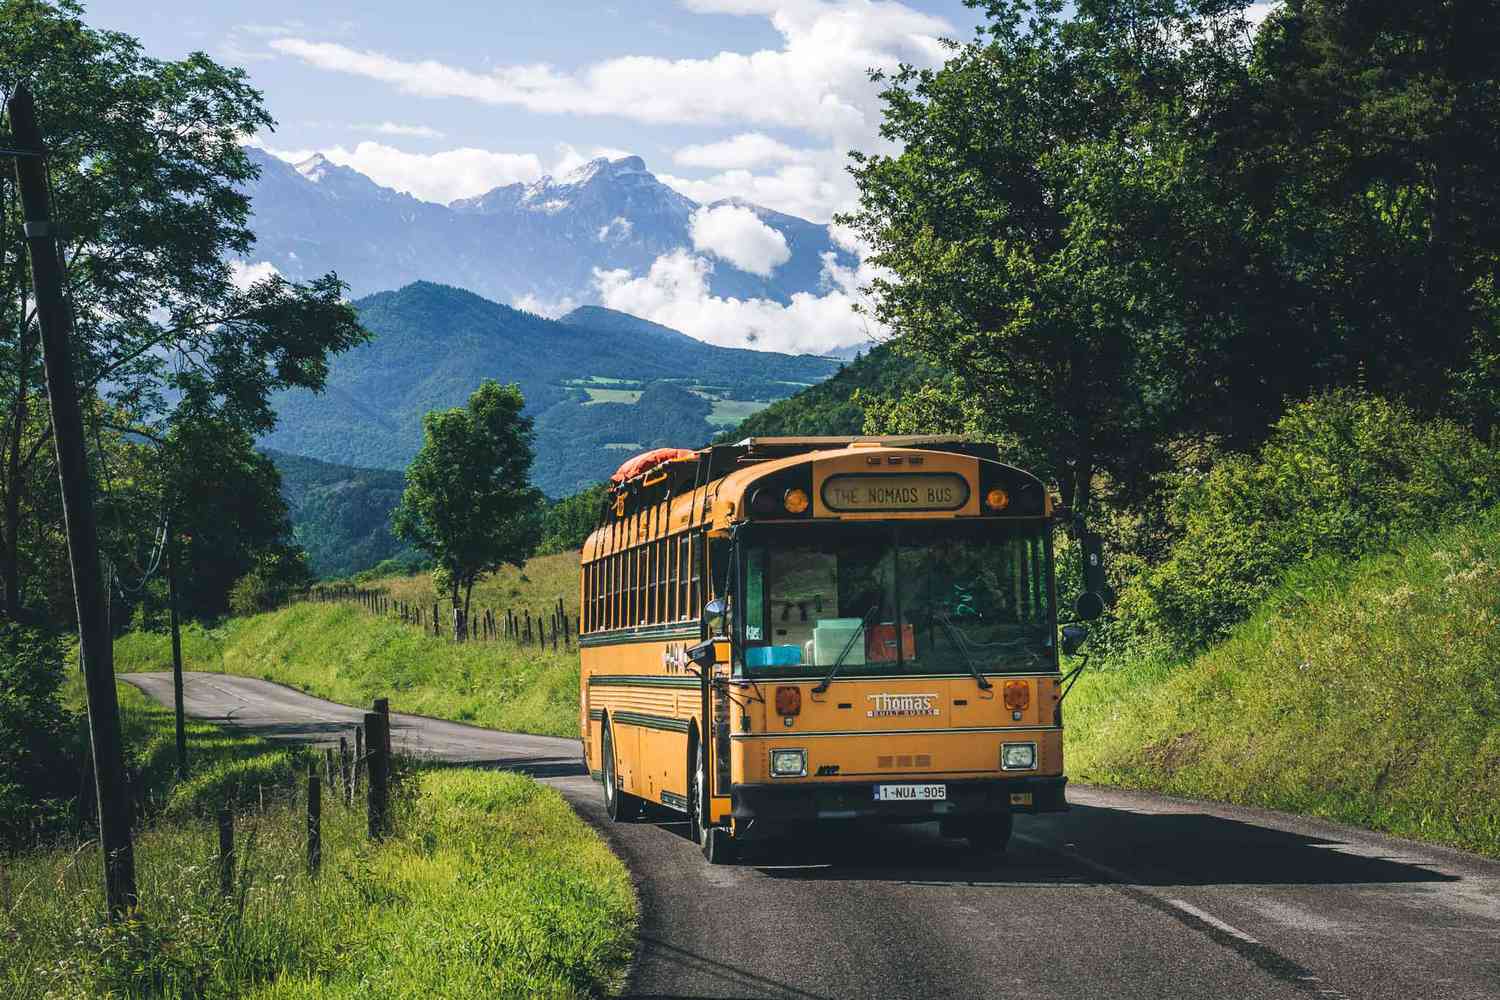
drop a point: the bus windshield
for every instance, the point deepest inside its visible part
(914, 599)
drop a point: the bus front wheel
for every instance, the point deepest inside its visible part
(718, 847)
(621, 806)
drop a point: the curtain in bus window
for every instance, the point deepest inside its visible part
(821, 595)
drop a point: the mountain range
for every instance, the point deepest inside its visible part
(599, 384)
(538, 243)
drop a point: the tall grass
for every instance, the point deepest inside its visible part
(491, 886)
(345, 654)
(1364, 692)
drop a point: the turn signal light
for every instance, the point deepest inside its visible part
(1017, 695)
(795, 501)
(788, 700)
(997, 499)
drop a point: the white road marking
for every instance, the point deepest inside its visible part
(1211, 920)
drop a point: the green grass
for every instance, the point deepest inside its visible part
(345, 654)
(729, 412)
(612, 395)
(491, 886)
(1365, 693)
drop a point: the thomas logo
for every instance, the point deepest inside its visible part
(674, 658)
(887, 705)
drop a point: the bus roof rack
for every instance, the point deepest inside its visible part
(778, 447)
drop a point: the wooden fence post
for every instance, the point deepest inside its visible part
(226, 850)
(359, 760)
(346, 777)
(315, 819)
(378, 803)
(383, 706)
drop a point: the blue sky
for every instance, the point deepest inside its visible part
(758, 98)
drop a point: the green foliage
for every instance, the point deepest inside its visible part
(569, 521)
(342, 515)
(1340, 475)
(1028, 227)
(38, 767)
(1361, 691)
(279, 573)
(837, 406)
(467, 503)
(491, 886)
(148, 171)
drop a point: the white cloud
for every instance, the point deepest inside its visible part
(1257, 13)
(396, 128)
(816, 81)
(550, 308)
(736, 234)
(743, 151)
(570, 159)
(244, 274)
(675, 293)
(617, 228)
(438, 177)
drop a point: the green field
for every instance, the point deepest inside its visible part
(612, 395)
(1364, 693)
(491, 886)
(729, 412)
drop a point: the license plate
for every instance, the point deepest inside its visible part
(910, 793)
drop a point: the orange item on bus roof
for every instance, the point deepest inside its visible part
(648, 461)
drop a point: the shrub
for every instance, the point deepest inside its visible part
(38, 776)
(1342, 475)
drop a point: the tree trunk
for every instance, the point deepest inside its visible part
(10, 536)
(460, 626)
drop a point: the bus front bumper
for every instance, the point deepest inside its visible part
(807, 802)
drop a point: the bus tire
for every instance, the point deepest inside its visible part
(622, 807)
(991, 835)
(717, 845)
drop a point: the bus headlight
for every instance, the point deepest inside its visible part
(1017, 756)
(788, 763)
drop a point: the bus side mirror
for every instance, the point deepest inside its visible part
(713, 608)
(1089, 606)
(1073, 638)
(702, 655)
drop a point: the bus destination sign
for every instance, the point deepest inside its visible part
(895, 492)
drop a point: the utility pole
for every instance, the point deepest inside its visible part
(171, 543)
(95, 647)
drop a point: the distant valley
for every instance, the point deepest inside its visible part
(600, 384)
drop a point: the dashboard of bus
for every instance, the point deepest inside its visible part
(905, 599)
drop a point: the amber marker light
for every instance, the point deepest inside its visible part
(997, 499)
(788, 700)
(1017, 695)
(795, 501)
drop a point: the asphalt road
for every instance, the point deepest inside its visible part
(1128, 895)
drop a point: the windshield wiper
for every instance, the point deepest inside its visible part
(858, 636)
(963, 650)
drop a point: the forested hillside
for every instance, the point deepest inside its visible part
(830, 407)
(341, 514)
(431, 345)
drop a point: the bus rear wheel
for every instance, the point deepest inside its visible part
(621, 806)
(990, 834)
(717, 845)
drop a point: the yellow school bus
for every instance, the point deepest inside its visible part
(795, 630)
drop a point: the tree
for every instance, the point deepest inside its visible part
(148, 172)
(467, 502)
(568, 522)
(1029, 229)
(1361, 148)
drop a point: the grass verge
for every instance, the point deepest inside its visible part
(345, 654)
(1363, 692)
(491, 886)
